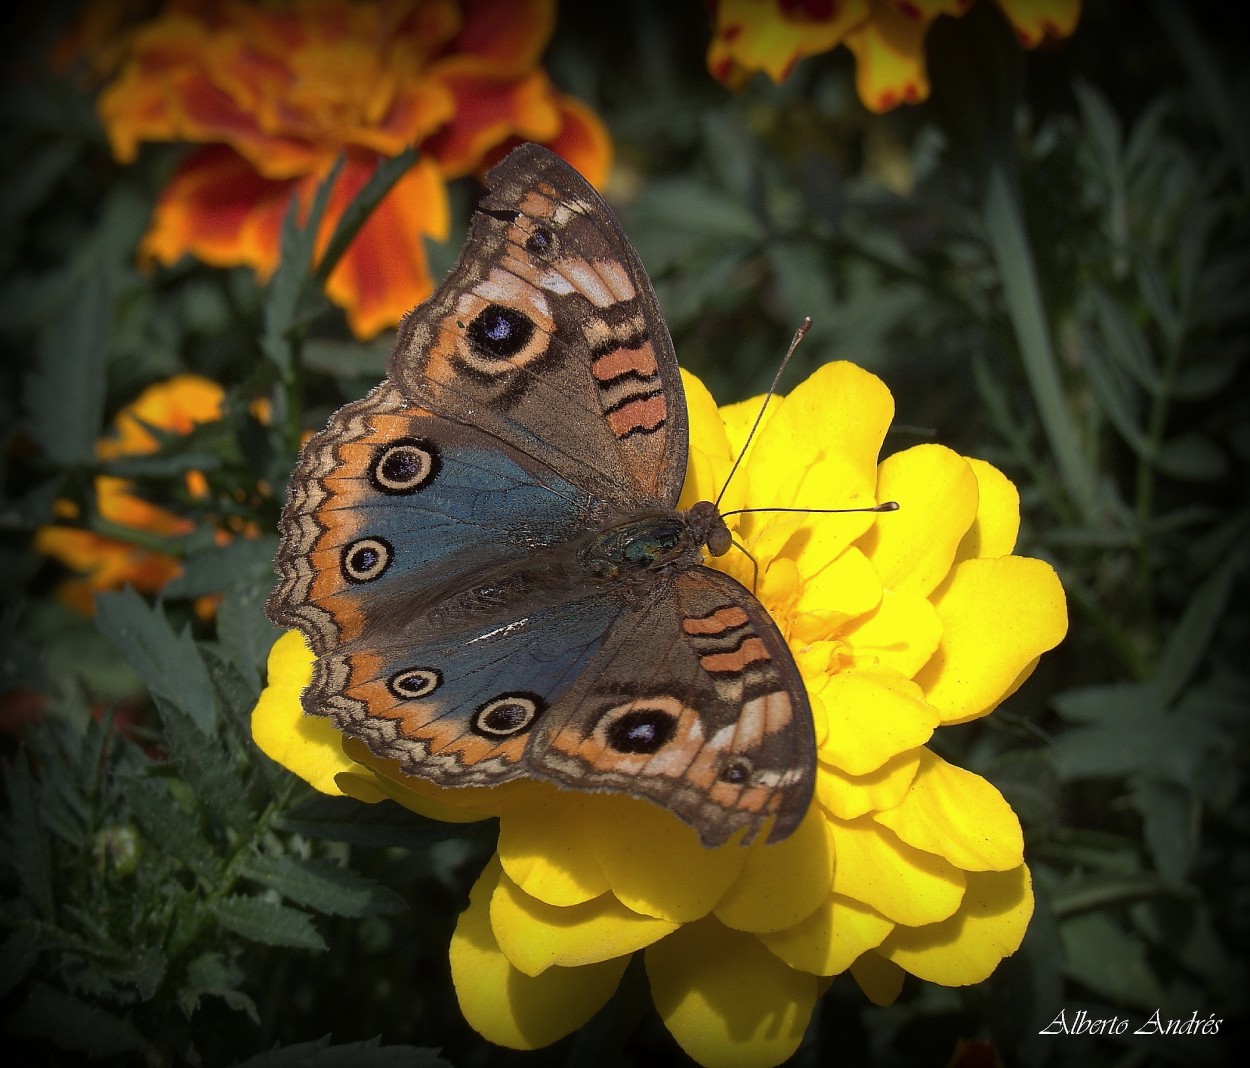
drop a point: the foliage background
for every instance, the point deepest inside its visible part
(171, 897)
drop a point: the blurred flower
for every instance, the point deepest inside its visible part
(275, 94)
(887, 37)
(110, 563)
(905, 864)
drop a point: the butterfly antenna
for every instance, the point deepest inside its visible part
(799, 334)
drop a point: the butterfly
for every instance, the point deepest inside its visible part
(485, 554)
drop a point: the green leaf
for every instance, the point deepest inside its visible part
(1190, 639)
(65, 392)
(264, 921)
(370, 1054)
(1101, 956)
(242, 561)
(1192, 458)
(341, 819)
(388, 172)
(208, 768)
(173, 830)
(17, 957)
(1161, 743)
(1125, 342)
(321, 886)
(245, 631)
(1118, 701)
(212, 975)
(72, 1024)
(32, 854)
(1171, 815)
(170, 664)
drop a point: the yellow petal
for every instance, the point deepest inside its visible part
(655, 863)
(966, 948)
(309, 746)
(535, 936)
(879, 979)
(997, 525)
(889, 57)
(710, 457)
(957, 815)
(726, 999)
(873, 716)
(848, 796)
(912, 549)
(997, 617)
(781, 883)
(506, 1006)
(755, 36)
(901, 634)
(904, 884)
(548, 850)
(363, 786)
(848, 587)
(1038, 20)
(831, 938)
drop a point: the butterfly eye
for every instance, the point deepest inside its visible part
(642, 730)
(404, 466)
(416, 682)
(541, 242)
(367, 559)
(498, 332)
(507, 715)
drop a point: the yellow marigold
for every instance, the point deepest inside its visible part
(275, 94)
(108, 563)
(904, 863)
(887, 37)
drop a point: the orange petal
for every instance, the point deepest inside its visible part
(1035, 22)
(510, 35)
(384, 272)
(219, 209)
(773, 37)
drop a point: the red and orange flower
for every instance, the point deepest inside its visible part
(886, 36)
(275, 94)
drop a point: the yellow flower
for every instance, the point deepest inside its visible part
(275, 94)
(904, 864)
(107, 563)
(887, 37)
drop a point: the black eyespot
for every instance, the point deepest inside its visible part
(642, 730)
(366, 559)
(508, 714)
(541, 242)
(737, 771)
(415, 682)
(404, 466)
(499, 333)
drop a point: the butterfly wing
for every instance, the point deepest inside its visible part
(718, 728)
(547, 335)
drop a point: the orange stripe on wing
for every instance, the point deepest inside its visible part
(722, 621)
(751, 651)
(639, 360)
(641, 415)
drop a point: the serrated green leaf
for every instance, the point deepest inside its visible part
(1107, 960)
(17, 956)
(383, 179)
(207, 767)
(245, 631)
(169, 663)
(244, 561)
(73, 1024)
(1171, 815)
(65, 391)
(346, 820)
(211, 974)
(175, 832)
(32, 853)
(264, 921)
(369, 1054)
(322, 886)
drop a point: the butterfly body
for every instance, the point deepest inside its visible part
(486, 556)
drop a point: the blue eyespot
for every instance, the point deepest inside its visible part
(366, 560)
(508, 714)
(404, 466)
(413, 683)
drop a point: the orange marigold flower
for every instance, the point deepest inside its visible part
(275, 94)
(886, 36)
(110, 563)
